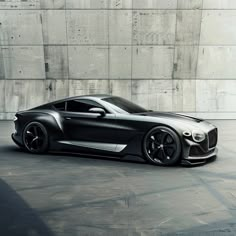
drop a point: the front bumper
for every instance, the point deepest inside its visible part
(198, 160)
(206, 156)
(195, 154)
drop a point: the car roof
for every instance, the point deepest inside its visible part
(97, 96)
(94, 96)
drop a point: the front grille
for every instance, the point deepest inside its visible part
(212, 137)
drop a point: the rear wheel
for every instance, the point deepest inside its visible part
(162, 146)
(35, 138)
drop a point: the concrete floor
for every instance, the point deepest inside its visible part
(70, 195)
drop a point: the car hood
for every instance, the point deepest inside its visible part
(172, 116)
(179, 121)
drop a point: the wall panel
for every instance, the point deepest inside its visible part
(170, 55)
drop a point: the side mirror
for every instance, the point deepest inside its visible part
(97, 110)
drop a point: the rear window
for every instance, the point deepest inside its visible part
(60, 106)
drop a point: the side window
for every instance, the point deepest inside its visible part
(82, 105)
(60, 106)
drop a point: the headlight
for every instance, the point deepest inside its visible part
(187, 133)
(15, 118)
(198, 136)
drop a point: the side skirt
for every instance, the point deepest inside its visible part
(111, 147)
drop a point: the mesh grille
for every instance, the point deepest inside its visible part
(212, 137)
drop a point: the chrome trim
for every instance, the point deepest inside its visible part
(57, 118)
(187, 133)
(120, 147)
(94, 145)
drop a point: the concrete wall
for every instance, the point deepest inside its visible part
(169, 55)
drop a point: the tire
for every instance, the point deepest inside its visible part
(162, 146)
(35, 138)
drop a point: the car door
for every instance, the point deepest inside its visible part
(86, 128)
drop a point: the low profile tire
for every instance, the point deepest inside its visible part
(162, 146)
(35, 138)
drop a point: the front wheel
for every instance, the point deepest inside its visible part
(162, 146)
(35, 138)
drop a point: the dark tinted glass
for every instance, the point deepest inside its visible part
(60, 106)
(124, 106)
(82, 105)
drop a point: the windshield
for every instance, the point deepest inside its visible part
(122, 105)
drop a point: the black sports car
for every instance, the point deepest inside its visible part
(106, 125)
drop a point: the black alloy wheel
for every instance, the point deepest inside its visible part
(35, 138)
(162, 146)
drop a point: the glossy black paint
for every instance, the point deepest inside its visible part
(86, 130)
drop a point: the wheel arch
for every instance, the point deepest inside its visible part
(48, 120)
(176, 130)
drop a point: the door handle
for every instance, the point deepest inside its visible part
(68, 118)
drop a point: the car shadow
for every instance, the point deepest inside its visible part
(17, 218)
(11, 149)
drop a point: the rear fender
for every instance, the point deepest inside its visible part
(52, 123)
